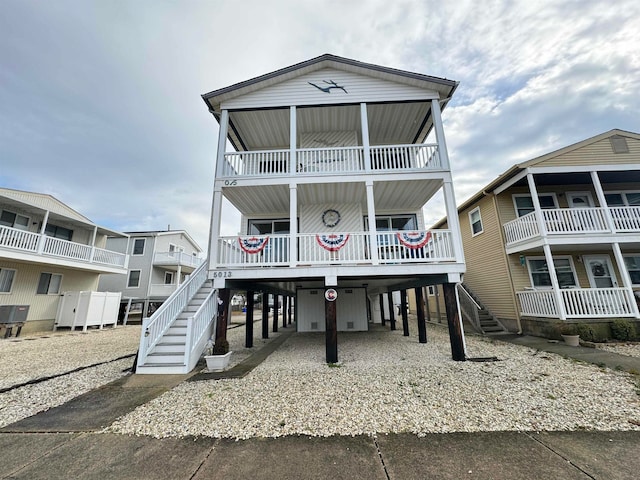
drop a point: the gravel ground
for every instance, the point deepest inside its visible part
(389, 383)
(46, 354)
(629, 349)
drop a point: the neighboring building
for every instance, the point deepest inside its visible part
(578, 208)
(159, 261)
(47, 248)
(330, 173)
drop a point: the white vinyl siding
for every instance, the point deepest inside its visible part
(6, 279)
(49, 284)
(475, 220)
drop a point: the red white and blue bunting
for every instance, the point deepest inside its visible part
(253, 245)
(414, 240)
(332, 241)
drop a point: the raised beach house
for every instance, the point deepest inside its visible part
(331, 163)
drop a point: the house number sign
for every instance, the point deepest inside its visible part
(330, 295)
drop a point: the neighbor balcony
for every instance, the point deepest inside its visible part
(346, 248)
(332, 161)
(23, 245)
(573, 221)
(176, 259)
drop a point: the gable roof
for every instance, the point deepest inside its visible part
(442, 85)
(520, 167)
(159, 233)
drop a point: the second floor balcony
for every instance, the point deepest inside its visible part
(176, 259)
(29, 246)
(559, 222)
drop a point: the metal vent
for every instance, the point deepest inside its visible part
(314, 325)
(350, 325)
(619, 144)
(348, 291)
(313, 292)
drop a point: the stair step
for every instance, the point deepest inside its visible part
(174, 348)
(165, 357)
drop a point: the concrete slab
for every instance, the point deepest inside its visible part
(605, 455)
(491, 455)
(19, 450)
(106, 457)
(294, 458)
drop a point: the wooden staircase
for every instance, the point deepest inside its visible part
(169, 355)
(478, 315)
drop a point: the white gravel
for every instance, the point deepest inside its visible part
(389, 383)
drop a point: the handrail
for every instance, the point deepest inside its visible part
(197, 329)
(467, 302)
(155, 327)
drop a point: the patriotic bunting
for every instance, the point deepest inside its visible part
(253, 245)
(414, 240)
(332, 242)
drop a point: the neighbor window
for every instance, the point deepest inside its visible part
(524, 202)
(539, 272)
(49, 284)
(10, 219)
(62, 233)
(475, 221)
(168, 278)
(138, 246)
(6, 279)
(134, 279)
(633, 267)
(431, 290)
(622, 199)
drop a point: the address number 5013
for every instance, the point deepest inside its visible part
(224, 274)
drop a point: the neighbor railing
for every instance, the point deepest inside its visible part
(578, 302)
(176, 258)
(626, 219)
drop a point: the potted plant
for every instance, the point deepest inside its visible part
(218, 355)
(570, 335)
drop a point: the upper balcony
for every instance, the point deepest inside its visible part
(332, 161)
(175, 259)
(571, 224)
(28, 246)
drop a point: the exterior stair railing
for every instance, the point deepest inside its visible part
(469, 307)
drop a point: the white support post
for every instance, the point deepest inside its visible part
(536, 205)
(554, 281)
(371, 214)
(602, 201)
(222, 142)
(93, 244)
(214, 232)
(293, 140)
(436, 114)
(626, 278)
(293, 225)
(364, 122)
(41, 240)
(453, 220)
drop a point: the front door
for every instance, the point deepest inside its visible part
(579, 199)
(600, 271)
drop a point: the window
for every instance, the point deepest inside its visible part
(49, 284)
(268, 227)
(524, 202)
(10, 219)
(6, 279)
(622, 199)
(168, 278)
(134, 279)
(431, 290)
(388, 223)
(138, 246)
(539, 272)
(631, 261)
(62, 233)
(475, 221)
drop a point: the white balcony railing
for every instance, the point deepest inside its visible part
(336, 249)
(176, 258)
(332, 160)
(563, 221)
(578, 303)
(43, 245)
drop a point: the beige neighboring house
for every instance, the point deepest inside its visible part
(578, 208)
(47, 248)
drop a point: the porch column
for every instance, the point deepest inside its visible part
(436, 114)
(223, 314)
(453, 220)
(422, 326)
(43, 227)
(293, 225)
(93, 243)
(536, 205)
(602, 201)
(331, 331)
(214, 231)
(371, 214)
(265, 315)
(392, 314)
(405, 314)
(626, 278)
(248, 322)
(293, 140)
(179, 275)
(222, 142)
(381, 299)
(554, 281)
(456, 337)
(285, 307)
(364, 123)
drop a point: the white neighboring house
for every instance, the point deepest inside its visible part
(159, 262)
(47, 248)
(332, 163)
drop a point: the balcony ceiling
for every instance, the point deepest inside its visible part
(394, 123)
(274, 199)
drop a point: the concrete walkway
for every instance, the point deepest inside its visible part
(65, 442)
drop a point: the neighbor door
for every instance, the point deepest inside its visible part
(600, 271)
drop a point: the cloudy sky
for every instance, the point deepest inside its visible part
(100, 100)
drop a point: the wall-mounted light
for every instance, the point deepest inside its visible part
(522, 260)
